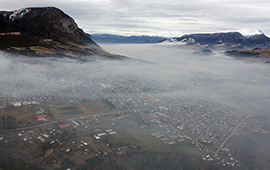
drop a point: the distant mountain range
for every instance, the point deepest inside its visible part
(228, 40)
(246, 39)
(111, 38)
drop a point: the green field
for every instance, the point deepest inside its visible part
(65, 109)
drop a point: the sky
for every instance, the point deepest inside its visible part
(158, 17)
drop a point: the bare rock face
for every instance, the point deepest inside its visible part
(49, 22)
(45, 31)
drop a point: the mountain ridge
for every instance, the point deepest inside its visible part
(46, 31)
(223, 38)
(113, 38)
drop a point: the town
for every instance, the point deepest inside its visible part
(172, 121)
(92, 118)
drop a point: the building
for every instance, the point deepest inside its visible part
(63, 126)
(41, 118)
(16, 104)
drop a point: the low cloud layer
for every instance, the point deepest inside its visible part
(169, 72)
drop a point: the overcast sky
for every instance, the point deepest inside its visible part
(159, 17)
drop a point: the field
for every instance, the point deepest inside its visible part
(69, 109)
(22, 116)
(26, 115)
(93, 106)
(142, 138)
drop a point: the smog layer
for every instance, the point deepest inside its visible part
(213, 107)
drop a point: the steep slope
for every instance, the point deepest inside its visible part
(257, 41)
(45, 31)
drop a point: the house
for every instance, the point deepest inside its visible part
(39, 112)
(63, 126)
(16, 104)
(34, 102)
(96, 137)
(112, 133)
(101, 134)
(41, 118)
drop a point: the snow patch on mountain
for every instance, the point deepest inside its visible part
(184, 41)
(173, 41)
(188, 40)
(19, 14)
(248, 32)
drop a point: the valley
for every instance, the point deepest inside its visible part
(99, 114)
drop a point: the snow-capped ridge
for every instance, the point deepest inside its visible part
(248, 32)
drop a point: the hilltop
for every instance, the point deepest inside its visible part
(46, 32)
(256, 52)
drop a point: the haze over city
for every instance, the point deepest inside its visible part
(169, 95)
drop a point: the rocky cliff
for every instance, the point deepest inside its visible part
(45, 31)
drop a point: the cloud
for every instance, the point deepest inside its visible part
(159, 17)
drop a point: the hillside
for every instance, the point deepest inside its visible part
(257, 52)
(46, 32)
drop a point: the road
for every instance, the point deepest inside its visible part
(207, 130)
(235, 129)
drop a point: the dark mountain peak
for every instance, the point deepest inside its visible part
(46, 31)
(46, 22)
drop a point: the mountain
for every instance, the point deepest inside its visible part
(45, 31)
(111, 38)
(247, 32)
(233, 40)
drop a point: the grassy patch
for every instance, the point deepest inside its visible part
(149, 143)
(93, 106)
